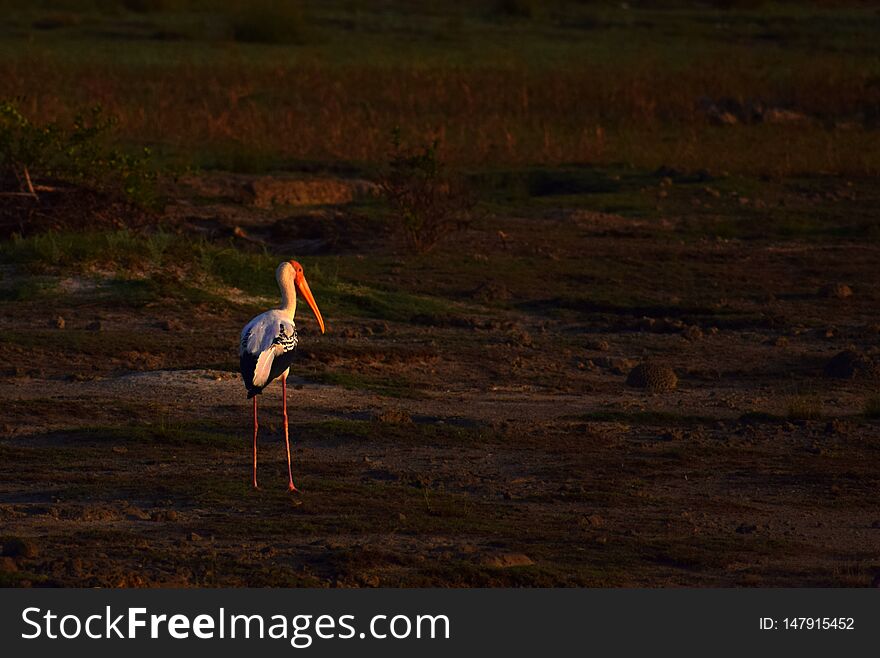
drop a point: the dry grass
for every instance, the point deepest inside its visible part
(805, 407)
(638, 114)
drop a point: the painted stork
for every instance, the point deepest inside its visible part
(267, 345)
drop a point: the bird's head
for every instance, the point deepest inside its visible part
(293, 269)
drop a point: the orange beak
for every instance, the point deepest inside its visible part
(302, 287)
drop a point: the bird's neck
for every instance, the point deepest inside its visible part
(288, 303)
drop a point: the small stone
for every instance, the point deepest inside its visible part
(169, 325)
(8, 565)
(507, 560)
(522, 338)
(95, 325)
(194, 537)
(836, 291)
(370, 580)
(598, 345)
(692, 333)
(161, 516)
(58, 322)
(746, 529)
(596, 521)
(401, 516)
(135, 514)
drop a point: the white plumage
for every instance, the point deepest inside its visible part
(267, 336)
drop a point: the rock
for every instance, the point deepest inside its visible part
(692, 333)
(507, 560)
(491, 292)
(169, 325)
(135, 513)
(522, 338)
(596, 521)
(746, 528)
(194, 537)
(8, 565)
(161, 516)
(779, 115)
(58, 322)
(836, 291)
(652, 377)
(598, 345)
(721, 118)
(95, 325)
(370, 580)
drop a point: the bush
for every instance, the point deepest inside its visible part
(427, 202)
(268, 21)
(151, 6)
(517, 8)
(76, 154)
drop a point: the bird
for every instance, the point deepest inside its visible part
(267, 346)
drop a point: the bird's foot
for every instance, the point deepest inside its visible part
(292, 488)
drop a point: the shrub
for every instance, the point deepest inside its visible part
(151, 6)
(427, 202)
(268, 21)
(517, 8)
(76, 154)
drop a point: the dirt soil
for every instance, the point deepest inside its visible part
(495, 444)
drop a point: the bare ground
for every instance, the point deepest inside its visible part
(494, 443)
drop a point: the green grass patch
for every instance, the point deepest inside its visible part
(388, 386)
(165, 433)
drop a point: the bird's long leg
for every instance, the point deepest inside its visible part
(256, 425)
(290, 485)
